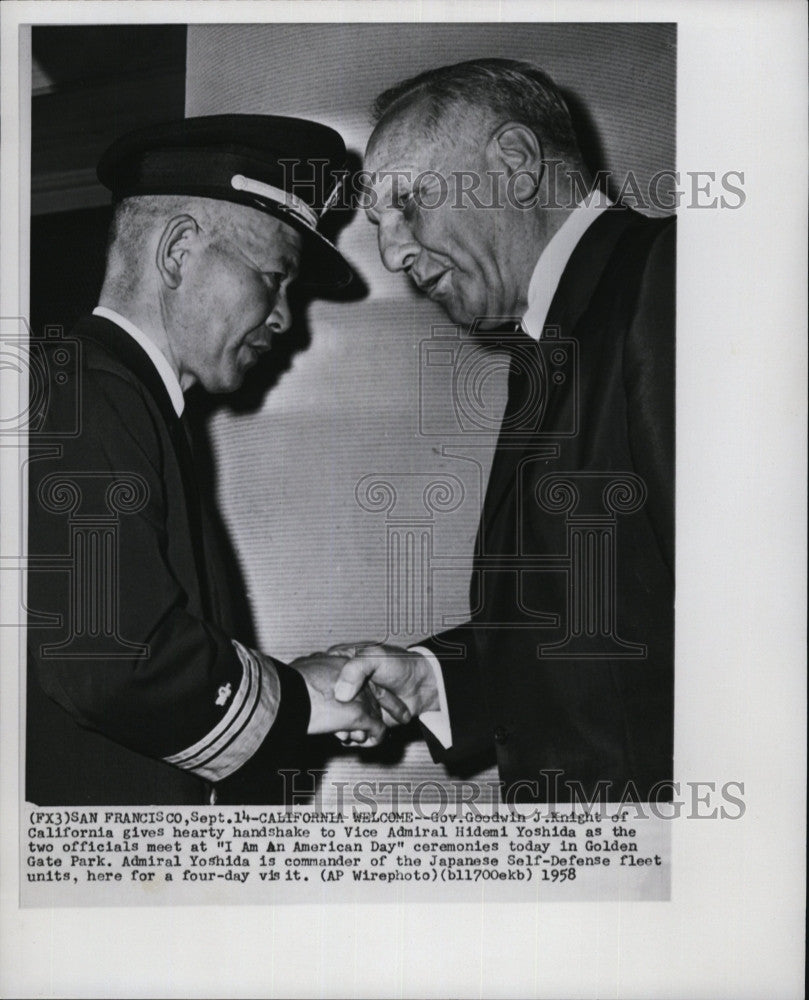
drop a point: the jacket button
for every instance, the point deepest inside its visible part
(501, 735)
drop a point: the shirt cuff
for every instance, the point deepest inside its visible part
(244, 727)
(436, 721)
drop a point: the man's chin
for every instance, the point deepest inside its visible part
(468, 314)
(227, 382)
(471, 319)
(245, 362)
(457, 312)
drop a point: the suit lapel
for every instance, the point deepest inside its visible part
(118, 343)
(515, 440)
(579, 280)
(585, 268)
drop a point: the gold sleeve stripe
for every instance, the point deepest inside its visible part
(242, 730)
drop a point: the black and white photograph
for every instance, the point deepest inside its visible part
(476, 413)
(379, 480)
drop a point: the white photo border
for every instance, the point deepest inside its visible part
(734, 925)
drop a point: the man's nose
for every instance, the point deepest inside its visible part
(397, 247)
(280, 319)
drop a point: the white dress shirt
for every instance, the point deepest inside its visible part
(541, 290)
(158, 358)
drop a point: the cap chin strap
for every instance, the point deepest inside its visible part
(291, 202)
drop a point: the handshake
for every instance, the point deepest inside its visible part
(358, 691)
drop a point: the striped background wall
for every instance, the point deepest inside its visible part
(299, 465)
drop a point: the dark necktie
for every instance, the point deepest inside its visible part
(527, 389)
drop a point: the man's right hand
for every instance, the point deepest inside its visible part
(356, 720)
(394, 675)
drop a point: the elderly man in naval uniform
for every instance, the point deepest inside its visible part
(141, 688)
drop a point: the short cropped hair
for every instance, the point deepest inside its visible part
(134, 222)
(507, 88)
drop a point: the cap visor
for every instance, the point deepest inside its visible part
(322, 264)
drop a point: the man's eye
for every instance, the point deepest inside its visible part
(409, 203)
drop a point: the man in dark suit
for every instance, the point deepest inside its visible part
(565, 670)
(141, 688)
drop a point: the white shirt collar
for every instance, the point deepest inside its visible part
(164, 369)
(553, 260)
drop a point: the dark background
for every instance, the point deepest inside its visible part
(89, 85)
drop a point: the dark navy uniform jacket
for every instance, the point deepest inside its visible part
(139, 688)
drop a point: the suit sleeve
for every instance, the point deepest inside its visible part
(649, 369)
(456, 651)
(112, 632)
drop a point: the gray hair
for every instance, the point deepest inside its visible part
(134, 223)
(507, 88)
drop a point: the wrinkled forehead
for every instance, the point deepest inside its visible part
(400, 150)
(394, 139)
(411, 134)
(405, 156)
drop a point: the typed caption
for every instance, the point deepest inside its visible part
(257, 854)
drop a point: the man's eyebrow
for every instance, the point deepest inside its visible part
(287, 264)
(401, 183)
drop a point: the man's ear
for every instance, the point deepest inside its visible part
(178, 237)
(516, 149)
